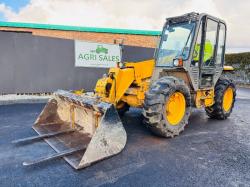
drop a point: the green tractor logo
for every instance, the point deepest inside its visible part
(100, 49)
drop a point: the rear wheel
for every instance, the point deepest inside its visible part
(167, 106)
(225, 93)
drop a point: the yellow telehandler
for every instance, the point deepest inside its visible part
(186, 72)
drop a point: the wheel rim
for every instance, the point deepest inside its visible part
(175, 108)
(228, 99)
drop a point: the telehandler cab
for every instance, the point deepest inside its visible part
(186, 72)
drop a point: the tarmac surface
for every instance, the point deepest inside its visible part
(208, 153)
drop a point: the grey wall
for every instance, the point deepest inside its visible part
(33, 64)
(135, 54)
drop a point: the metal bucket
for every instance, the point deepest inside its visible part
(85, 128)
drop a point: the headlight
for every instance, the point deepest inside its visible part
(176, 62)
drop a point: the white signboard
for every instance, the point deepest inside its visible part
(98, 55)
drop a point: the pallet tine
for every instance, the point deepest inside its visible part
(49, 135)
(54, 156)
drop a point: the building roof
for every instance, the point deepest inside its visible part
(78, 28)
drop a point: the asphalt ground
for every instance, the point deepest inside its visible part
(208, 153)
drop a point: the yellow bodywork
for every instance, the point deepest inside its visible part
(228, 68)
(204, 98)
(127, 84)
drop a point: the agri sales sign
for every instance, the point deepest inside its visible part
(98, 55)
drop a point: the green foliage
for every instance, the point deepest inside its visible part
(238, 58)
(240, 61)
(241, 64)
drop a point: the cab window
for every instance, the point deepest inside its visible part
(197, 48)
(221, 45)
(210, 43)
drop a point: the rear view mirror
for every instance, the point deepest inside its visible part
(164, 37)
(170, 29)
(158, 40)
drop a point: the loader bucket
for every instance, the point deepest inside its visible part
(84, 124)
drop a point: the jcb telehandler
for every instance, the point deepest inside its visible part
(186, 72)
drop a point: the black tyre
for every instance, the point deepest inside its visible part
(161, 111)
(225, 93)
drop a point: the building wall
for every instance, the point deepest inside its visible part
(129, 39)
(36, 64)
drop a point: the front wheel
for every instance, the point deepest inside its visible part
(167, 106)
(225, 93)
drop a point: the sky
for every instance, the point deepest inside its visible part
(15, 4)
(131, 14)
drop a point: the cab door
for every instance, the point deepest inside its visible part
(208, 53)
